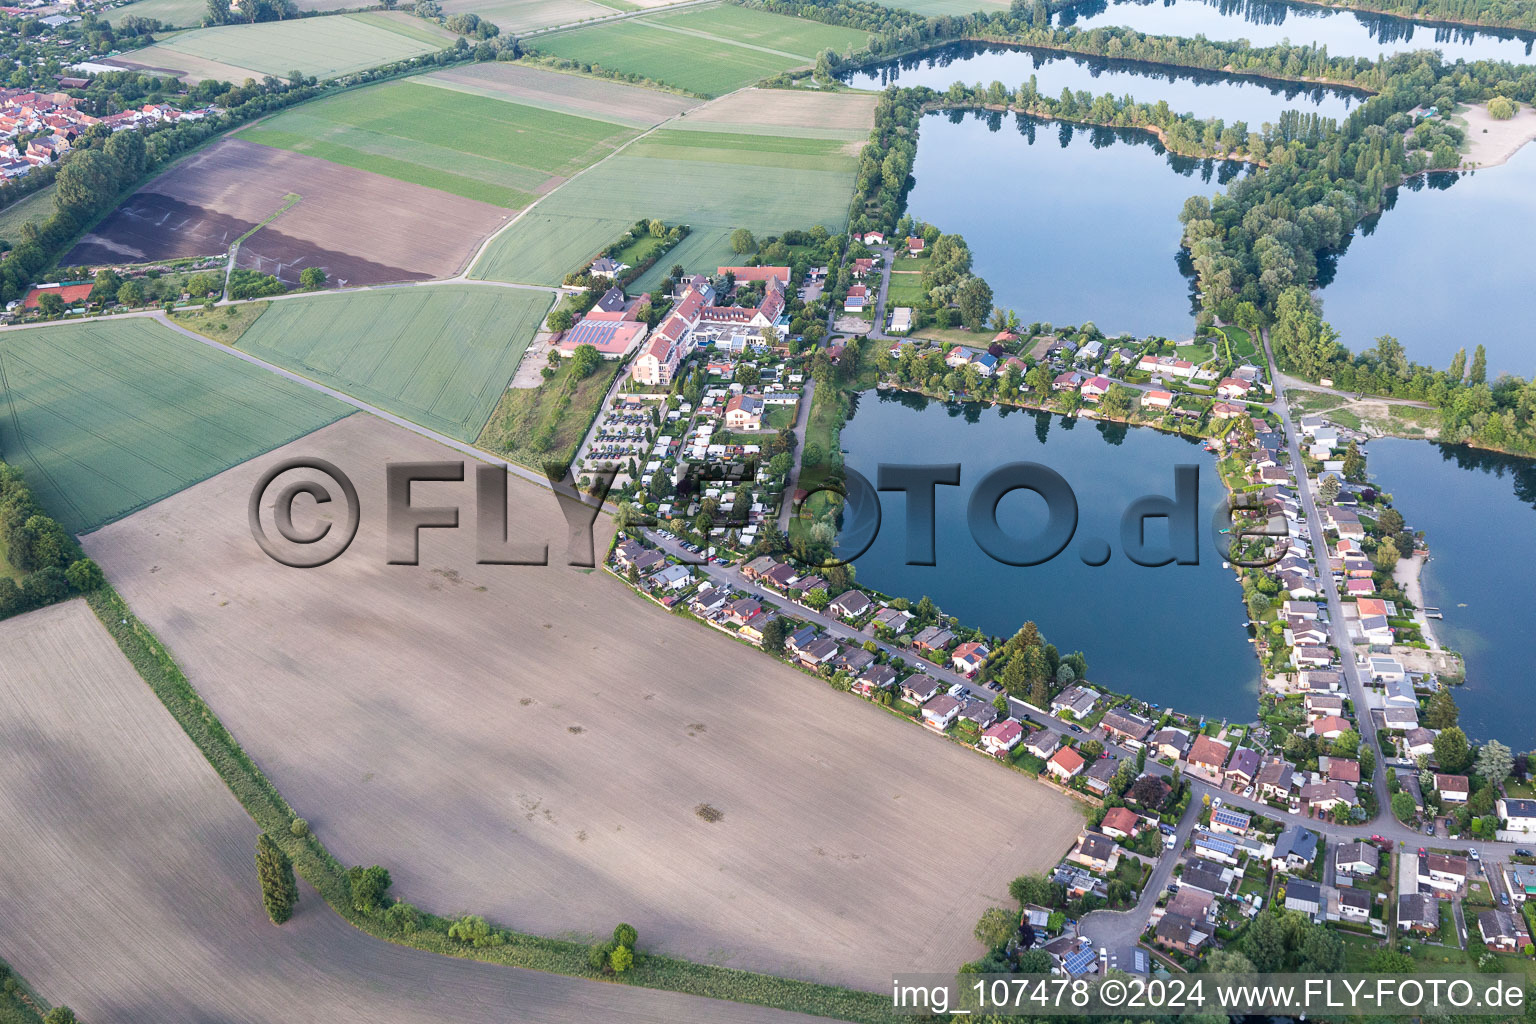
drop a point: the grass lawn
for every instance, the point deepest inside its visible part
(438, 356)
(779, 417)
(761, 182)
(1240, 344)
(35, 208)
(223, 323)
(706, 51)
(1195, 353)
(475, 146)
(115, 415)
(323, 47)
(905, 290)
(918, 263)
(546, 424)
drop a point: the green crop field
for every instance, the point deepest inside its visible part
(440, 356)
(106, 418)
(471, 146)
(323, 47)
(35, 208)
(763, 182)
(938, 8)
(707, 51)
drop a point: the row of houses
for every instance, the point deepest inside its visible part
(55, 121)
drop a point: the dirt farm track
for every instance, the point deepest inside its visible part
(534, 743)
(128, 888)
(204, 203)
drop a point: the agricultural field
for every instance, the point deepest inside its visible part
(712, 181)
(707, 51)
(35, 208)
(521, 16)
(812, 115)
(204, 203)
(190, 13)
(939, 8)
(108, 417)
(489, 150)
(322, 47)
(537, 744)
(128, 889)
(562, 92)
(438, 356)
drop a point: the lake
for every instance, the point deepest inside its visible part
(1445, 267)
(1205, 94)
(1268, 22)
(1478, 512)
(1176, 634)
(1067, 223)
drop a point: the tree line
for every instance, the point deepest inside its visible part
(51, 565)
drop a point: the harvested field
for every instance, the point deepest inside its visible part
(566, 93)
(128, 888)
(712, 181)
(108, 417)
(202, 204)
(518, 16)
(491, 150)
(532, 742)
(323, 47)
(708, 51)
(831, 115)
(439, 356)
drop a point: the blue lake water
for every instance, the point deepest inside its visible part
(1229, 97)
(1268, 22)
(1068, 224)
(1451, 264)
(1175, 634)
(1478, 512)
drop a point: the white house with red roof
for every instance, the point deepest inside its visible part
(1094, 388)
(1001, 737)
(969, 657)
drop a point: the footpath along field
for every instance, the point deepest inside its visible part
(714, 180)
(537, 744)
(439, 356)
(322, 47)
(128, 889)
(707, 51)
(488, 149)
(108, 417)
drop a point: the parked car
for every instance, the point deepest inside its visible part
(1524, 853)
(1074, 728)
(1248, 791)
(1504, 898)
(1474, 855)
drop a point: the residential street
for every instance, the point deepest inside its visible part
(1119, 930)
(802, 417)
(1337, 630)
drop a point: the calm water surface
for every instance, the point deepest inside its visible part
(1452, 263)
(1268, 22)
(1067, 224)
(1231, 98)
(1176, 635)
(1478, 512)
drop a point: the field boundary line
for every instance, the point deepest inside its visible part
(727, 42)
(290, 200)
(571, 26)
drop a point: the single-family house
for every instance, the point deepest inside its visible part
(1399, 719)
(1208, 754)
(1445, 873)
(1295, 849)
(1214, 847)
(1001, 737)
(1096, 852)
(933, 638)
(1419, 743)
(1503, 930)
(873, 678)
(1354, 904)
(1156, 399)
(1100, 774)
(1181, 934)
(850, 605)
(940, 712)
(1043, 743)
(1453, 789)
(1328, 795)
(1519, 814)
(1065, 764)
(744, 412)
(1207, 877)
(1170, 742)
(969, 657)
(1304, 896)
(1078, 701)
(1243, 768)
(917, 689)
(1230, 820)
(1329, 727)
(1125, 726)
(1418, 912)
(1276, 778)
(1121, 823)
(1358, 858)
